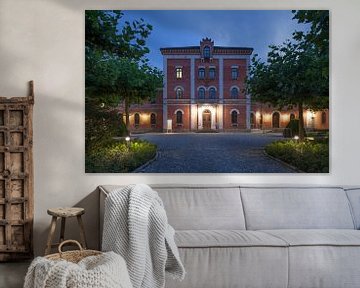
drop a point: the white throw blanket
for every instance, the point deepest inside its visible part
(136, 227)
(103, 271)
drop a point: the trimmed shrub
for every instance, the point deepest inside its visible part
(308, 156)
(119, 156)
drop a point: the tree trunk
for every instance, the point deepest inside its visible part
(301, 122)
(127, 116)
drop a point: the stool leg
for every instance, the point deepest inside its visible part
(82, 232)
(51, 235)
(62, 231)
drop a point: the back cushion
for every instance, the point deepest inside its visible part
(354, 198)
(296, 208)
(200, 208)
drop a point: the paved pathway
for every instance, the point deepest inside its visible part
(212, 153)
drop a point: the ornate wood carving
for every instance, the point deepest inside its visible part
(16, 176)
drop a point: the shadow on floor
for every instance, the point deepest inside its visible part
(12, 275)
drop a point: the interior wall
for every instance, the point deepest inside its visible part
(43, 40)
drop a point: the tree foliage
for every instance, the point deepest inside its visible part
(296, 72)
(116, 70)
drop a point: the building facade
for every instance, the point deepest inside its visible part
(204, 90)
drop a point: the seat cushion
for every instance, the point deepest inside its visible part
(225, 267)
(203, 208)
(296, 208)
(322, 258)
(317, 237)
(225, 238)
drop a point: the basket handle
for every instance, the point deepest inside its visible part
(69, 241)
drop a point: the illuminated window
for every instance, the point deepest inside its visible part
(234, 93)
(137, 119)
(179, 117)
(234, 118)
(323, 118)
(212, 93)
(234, 73)
(206, 52)
(153, 119)
(179, 93)
(276, 120)
(179, 73)
(212, 73)
(201, 93)
(201, 73)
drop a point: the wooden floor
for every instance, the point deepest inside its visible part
(12, 274)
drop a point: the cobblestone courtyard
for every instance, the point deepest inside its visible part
(213, 153)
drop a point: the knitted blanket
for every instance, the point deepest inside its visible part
(102, 271)
(136, 227)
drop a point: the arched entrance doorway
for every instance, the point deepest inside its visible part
(206, 117)
(252, 120)
(276, 120)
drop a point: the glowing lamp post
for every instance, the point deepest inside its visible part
(127, 139)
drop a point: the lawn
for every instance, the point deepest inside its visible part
(308, 156)
(119, 156)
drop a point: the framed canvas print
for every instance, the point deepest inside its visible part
(227, 91)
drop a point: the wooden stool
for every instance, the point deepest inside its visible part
(64, 213)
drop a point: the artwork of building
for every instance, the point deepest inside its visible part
(204, 91)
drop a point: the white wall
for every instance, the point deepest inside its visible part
(43, 40)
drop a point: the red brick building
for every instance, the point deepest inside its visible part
(204, 90)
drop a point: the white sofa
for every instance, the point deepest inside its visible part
(242, 236)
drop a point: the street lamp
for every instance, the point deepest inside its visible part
(127, 139)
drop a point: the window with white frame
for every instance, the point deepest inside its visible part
(234, 93)
(179, 117)
(201, 93)
(179, 93)
(206, 52)
(212, 73)
(234, 118)
(179, 72)
(201, 73)
(212, 93)
(234, 73)
(137, 119)
(153, 119)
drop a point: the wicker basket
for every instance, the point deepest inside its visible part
(72, 256)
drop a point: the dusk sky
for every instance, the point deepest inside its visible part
(246, 28)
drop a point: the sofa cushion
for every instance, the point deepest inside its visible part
(225, 267)
(226, 238)
(324, 266)
(315, 237)
(322, 258)
(296, 208)
(354, 198)
(199, 207)
(192, 208)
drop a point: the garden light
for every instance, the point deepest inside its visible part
(296, 137)
(127, 138)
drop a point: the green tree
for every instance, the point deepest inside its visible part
(105, 32)
(294, 75)
(116, 70)
(318, 37)
(122, 79)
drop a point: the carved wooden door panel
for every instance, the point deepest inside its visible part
(16, 177)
